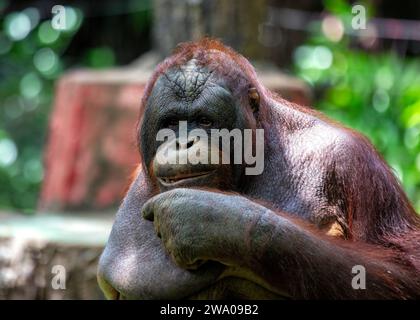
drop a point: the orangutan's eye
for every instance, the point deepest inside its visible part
(205, 122)
(171, 122)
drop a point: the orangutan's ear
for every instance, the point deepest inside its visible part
(254, 99)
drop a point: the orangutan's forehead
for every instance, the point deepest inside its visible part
(189, 79)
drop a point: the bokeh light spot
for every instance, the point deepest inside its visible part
(412, 137)
(33, 15)
(46, 60)
(333, 28)
(73, 19)
(380, 100)
(47, 34)
(322, 57)
(318, 57)
(30, 85)
(17, 26)
(33, 171)
(8, 152)
(384, 78)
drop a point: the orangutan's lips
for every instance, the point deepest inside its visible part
(183, 178)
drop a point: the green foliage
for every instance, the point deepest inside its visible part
(376, 94)
(32, 57)
(30, 51)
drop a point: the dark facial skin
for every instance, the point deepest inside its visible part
(184, 94)
(324, 203)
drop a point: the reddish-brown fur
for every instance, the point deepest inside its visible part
(382, 224)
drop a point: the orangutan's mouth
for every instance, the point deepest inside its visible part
(183, 178)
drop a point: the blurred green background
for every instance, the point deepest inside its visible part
(33, 55)
(375, 93)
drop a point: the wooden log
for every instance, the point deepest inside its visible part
(32, 247)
